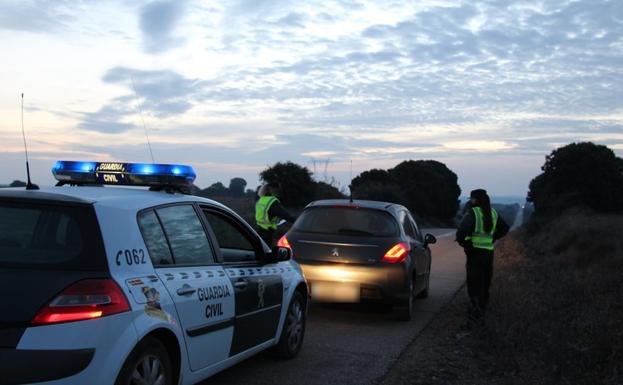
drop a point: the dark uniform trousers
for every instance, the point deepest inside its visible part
(479, 272)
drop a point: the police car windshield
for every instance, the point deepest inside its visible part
(50, 236)
(347, 221)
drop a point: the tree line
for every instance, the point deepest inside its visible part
(581, 174)
(427, 187)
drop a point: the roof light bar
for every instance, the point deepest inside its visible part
(127, 174)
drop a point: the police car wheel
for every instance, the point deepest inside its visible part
(405, 312)
(148, 364)
(293, 331)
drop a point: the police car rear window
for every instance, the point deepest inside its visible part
(347, 221)
(50, 236)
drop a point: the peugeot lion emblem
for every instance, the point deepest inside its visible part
(335, 253)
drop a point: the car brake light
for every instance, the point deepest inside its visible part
(87, 299)
(283, 242)
(397, 253)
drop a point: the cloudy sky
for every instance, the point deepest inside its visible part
(487, 87)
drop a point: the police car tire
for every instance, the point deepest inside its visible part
(284, 348)
(148, 348)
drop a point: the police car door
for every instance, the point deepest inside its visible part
(202, 293)
(258, 287)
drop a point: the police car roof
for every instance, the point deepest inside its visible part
(129, 198)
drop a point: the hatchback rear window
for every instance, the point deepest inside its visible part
(347, 221)
(50, 236)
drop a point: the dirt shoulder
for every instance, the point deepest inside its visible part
(442, 353)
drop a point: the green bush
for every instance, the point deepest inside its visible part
(427, 187)
(579, 175)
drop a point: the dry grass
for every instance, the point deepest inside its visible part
(557, 303)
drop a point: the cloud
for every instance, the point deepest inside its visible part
(107, 119)
(158, 22)
(161, 93)
(36, 16)
(292, 19)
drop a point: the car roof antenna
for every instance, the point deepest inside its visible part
(140, 110)
(29, 184)
(350, 186)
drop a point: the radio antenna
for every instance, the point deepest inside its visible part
(29, 185)
(350, 187)
(140, 110)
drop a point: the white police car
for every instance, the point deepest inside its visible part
(113, 285)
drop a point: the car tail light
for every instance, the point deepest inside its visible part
(397, 253)
(87, 299)
(283, 242)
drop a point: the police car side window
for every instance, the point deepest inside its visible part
(155, 239)
(233, 242)
(186, 235)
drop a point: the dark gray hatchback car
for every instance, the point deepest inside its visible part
(362, 250)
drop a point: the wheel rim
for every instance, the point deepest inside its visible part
(148, 371)
(294, 326)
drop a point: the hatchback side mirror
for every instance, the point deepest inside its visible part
(429, 239)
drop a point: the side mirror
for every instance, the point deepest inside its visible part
(429, 239)
(280, 254)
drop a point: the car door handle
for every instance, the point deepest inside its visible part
(186, 290)
(241, 285)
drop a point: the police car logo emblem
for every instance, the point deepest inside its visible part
(261, 288)
(335, 253)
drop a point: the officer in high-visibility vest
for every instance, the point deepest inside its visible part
(269, 211)
(479, 229)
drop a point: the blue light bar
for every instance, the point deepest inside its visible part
(128, 174)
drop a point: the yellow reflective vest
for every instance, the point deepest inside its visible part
(261, 213)
(481, 239)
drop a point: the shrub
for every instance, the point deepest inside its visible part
(556, 306)
(579, 174)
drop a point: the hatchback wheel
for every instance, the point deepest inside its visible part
(424, 293)
(405, 312)
(148, 364)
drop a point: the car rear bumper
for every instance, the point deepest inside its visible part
(27, 366)
(388, 283)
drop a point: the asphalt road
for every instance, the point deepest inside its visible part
(355, 344)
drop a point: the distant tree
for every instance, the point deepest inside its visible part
(375, 191)
(324, 190)
(17, 183)
(431, 188)
(249, 193)
(370, 177)
(215, 190)
(578, 174)
(295, 181)
(237, 186)
(428, 188)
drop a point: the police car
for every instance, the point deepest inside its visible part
(118, 285)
